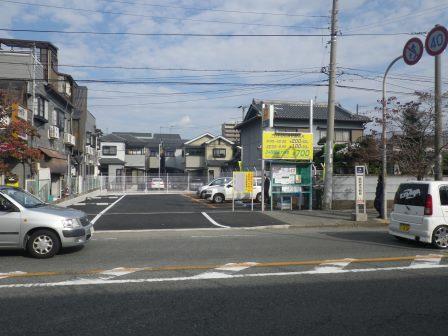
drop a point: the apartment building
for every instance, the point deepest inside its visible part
(229, 132)
(29, 70)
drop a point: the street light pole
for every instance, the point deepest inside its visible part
(384, 140)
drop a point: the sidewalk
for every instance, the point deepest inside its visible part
(321, 218)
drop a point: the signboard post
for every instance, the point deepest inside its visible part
(360, 200)
(243, 183)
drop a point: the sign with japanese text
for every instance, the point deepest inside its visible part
(287, 146)
(359, 187)
(243, 182)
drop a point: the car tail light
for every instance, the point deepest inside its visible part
(428, 205)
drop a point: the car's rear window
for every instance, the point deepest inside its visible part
(412, 194)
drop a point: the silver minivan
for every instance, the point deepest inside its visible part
(42, 229)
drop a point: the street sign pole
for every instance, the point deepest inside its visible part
(435, 43)
(438, 120)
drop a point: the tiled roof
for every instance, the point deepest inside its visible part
(301, 110)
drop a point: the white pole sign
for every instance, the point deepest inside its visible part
(359, 188)
(436, 41)
(413, 51)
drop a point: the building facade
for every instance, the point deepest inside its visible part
(229, 132)
(295, 117)
(29, 69)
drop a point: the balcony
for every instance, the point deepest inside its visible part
(69, 139)
(53, 132)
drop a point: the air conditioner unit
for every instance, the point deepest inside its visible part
(53, 132)
(22, 113)
(69, 139)
(89, 150)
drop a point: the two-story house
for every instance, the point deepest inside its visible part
(209, 155)
(295, 117)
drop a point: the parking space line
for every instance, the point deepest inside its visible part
(202, 202)
(211, 220)
(105, 210)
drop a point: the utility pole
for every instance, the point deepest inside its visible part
(438, 172)
(328, 183)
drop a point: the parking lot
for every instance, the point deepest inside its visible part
(169, 211)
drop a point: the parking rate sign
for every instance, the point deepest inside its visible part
(243, 182)
(413, 51)
(436, 41)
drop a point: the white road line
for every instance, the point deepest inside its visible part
(236, 267)
(223, 271)
(102, 203)
(211, 220)
(7, 275)
(421, 261)
(248, 228)
(214, 275)
(79, 204)
(332, 266)
(119, 271)
(105, 210)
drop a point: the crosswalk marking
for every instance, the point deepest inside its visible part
(224, 271)
(9, 274)
(332, 266)
(425, 261)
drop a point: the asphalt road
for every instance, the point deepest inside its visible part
(169, 211)
(221, 282)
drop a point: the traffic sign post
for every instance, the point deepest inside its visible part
(413, 51)
(435, 45)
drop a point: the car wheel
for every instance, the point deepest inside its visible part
(43, 244)
(258, 198)
(440, 237)
(203, 194)
(218, 198)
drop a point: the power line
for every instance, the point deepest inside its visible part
(118, 67)
(68, 32)
(215, 10)
(85, 10)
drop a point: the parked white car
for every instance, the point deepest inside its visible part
(219, 194)
(157, 183)
(216, 182)
(421, 212)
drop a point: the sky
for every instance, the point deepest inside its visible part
(191, 85)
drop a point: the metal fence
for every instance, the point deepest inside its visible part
(39, 188)
(152, 183)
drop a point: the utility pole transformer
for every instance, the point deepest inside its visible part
(328, 184)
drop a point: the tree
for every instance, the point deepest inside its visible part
(13, 132)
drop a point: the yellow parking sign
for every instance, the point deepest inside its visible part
(287, 146)
(249, 185)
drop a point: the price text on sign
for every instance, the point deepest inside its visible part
(296, 146)
(413, 51)
(249, 185)
(436, 40)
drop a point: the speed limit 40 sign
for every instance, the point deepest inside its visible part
(436, 41)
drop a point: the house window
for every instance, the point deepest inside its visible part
(60, 119)
(219, 152)
(169, 153)
(135, 151)
(89, 139)
(195, 151)
(109, 150)
(41, 108)
(342, 136)
(339, 135)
